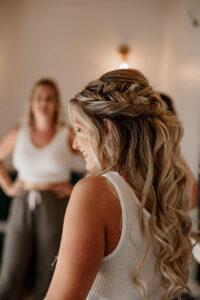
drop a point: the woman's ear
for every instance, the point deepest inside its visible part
(107, 125)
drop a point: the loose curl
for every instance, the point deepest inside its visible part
(143, 144)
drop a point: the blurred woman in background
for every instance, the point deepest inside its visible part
(41, 149)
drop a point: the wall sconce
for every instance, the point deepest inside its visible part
(124, 51)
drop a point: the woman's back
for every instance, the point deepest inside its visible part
(115, 277)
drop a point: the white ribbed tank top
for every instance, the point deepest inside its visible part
(48, 164)
(114, 278)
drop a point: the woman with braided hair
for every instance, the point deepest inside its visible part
(127, 232)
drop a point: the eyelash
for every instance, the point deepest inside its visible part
(78, 130)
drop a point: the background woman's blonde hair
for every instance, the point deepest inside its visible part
(143, 145)
(59, 117)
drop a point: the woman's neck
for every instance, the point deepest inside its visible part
(43, 125)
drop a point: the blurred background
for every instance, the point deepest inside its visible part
(75, 41)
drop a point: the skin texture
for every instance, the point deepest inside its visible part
(88, 233)
(43, 105)
(81, 142)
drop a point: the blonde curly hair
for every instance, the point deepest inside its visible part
(143, 145)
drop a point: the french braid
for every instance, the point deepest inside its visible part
(143, 144)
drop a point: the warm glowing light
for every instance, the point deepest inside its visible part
(124, 51)
(124, 66)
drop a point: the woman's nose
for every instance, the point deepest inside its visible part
(75, 145)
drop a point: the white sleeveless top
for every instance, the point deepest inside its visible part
(114, 278)
(48, 164)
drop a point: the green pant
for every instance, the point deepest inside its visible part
(38, 229)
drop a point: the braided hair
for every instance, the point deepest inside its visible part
(143, 145)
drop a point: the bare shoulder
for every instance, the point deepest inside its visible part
(94, 196)
(12, 133)
(93, 187)
(92, 182)
(8, 141)
(83, 241)
(87, 209)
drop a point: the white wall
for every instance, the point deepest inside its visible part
(75, 41)
(181, 72)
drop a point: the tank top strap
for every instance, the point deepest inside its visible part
(129, 202)
(23, 130)
(119, 185)
(23, 135)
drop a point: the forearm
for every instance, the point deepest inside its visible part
(5, 179)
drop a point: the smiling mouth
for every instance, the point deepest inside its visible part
(84, 154)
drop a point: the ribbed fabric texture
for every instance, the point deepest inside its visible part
(114, 279)
(47, 164)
